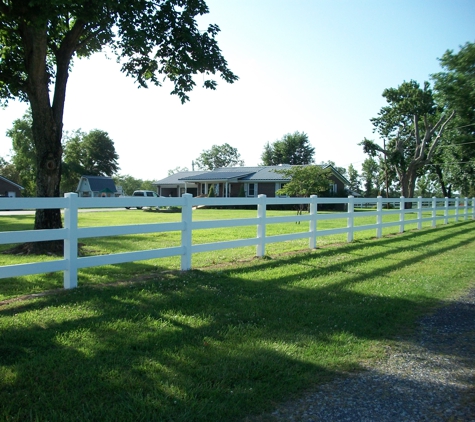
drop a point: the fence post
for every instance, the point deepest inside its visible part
(261, 226)
(313, 222)
(186, 233)
(379, 217)
(419, 212)
(402, 207)
(457, 205)
(434, 211)
(465, 211)
(473, 208)
(446, 211)
(351, 218)
(70, 276)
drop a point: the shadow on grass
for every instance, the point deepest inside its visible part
(206, 345)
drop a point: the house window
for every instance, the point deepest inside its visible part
(251, 191)
(334, 189)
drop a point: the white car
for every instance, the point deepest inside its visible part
(147, 193)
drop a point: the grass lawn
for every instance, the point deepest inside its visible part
(223, 341)
(97, 246)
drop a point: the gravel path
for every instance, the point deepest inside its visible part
(430, 377)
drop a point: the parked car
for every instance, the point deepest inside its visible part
(147, 193)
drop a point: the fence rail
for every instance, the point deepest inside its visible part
(441, 209)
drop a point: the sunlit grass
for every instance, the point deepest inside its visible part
(138, 270)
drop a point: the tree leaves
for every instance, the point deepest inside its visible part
(293, 149)
(219, 156)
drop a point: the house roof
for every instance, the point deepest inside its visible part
(10, 182)
(226, 174)
(217, 175)
(100, 183)
(175, 178)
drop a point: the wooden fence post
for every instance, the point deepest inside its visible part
(350, 221)
(70, 276)
(186, 233)
(261, 226)
(313, 222)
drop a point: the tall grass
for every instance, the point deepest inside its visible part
(223, 342)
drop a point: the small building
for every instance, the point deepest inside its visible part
(96, 186)
(238, 181)
(9, 189)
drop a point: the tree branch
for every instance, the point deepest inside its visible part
(63, 60)
(439, 135)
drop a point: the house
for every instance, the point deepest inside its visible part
(96, 186)
(237, 181)
(173, 185)
(9, 189)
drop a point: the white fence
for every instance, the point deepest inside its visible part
(444, 210)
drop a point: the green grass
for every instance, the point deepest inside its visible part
(222, 342)
(107, 245)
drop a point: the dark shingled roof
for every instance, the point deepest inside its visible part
(176, 178)
(101, 184)
(248, 174)
(217, 175)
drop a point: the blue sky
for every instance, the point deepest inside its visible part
(313, 66)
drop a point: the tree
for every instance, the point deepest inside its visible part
(341, 170)
(211, 193)
(129, 184)
(24, 157)
(305, 180)
(370, 170)
(411, 127)
(177, 170)
(354, 179)
(293, 148)
(154, 39)
(454, 164)
(9, 171)
(91, 154)
(219, 156)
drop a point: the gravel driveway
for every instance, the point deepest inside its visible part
(430, 377)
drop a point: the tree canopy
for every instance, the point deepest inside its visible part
(91, 154)
(454, 164)
(153, 39)
(177, 170)
(219, 156)
(411, 126)
(305, 180)
(293, 148)
(129, 184)
(24, 157)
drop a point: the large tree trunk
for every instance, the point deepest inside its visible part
(408, 184)
(445, 191)
(47, 133)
